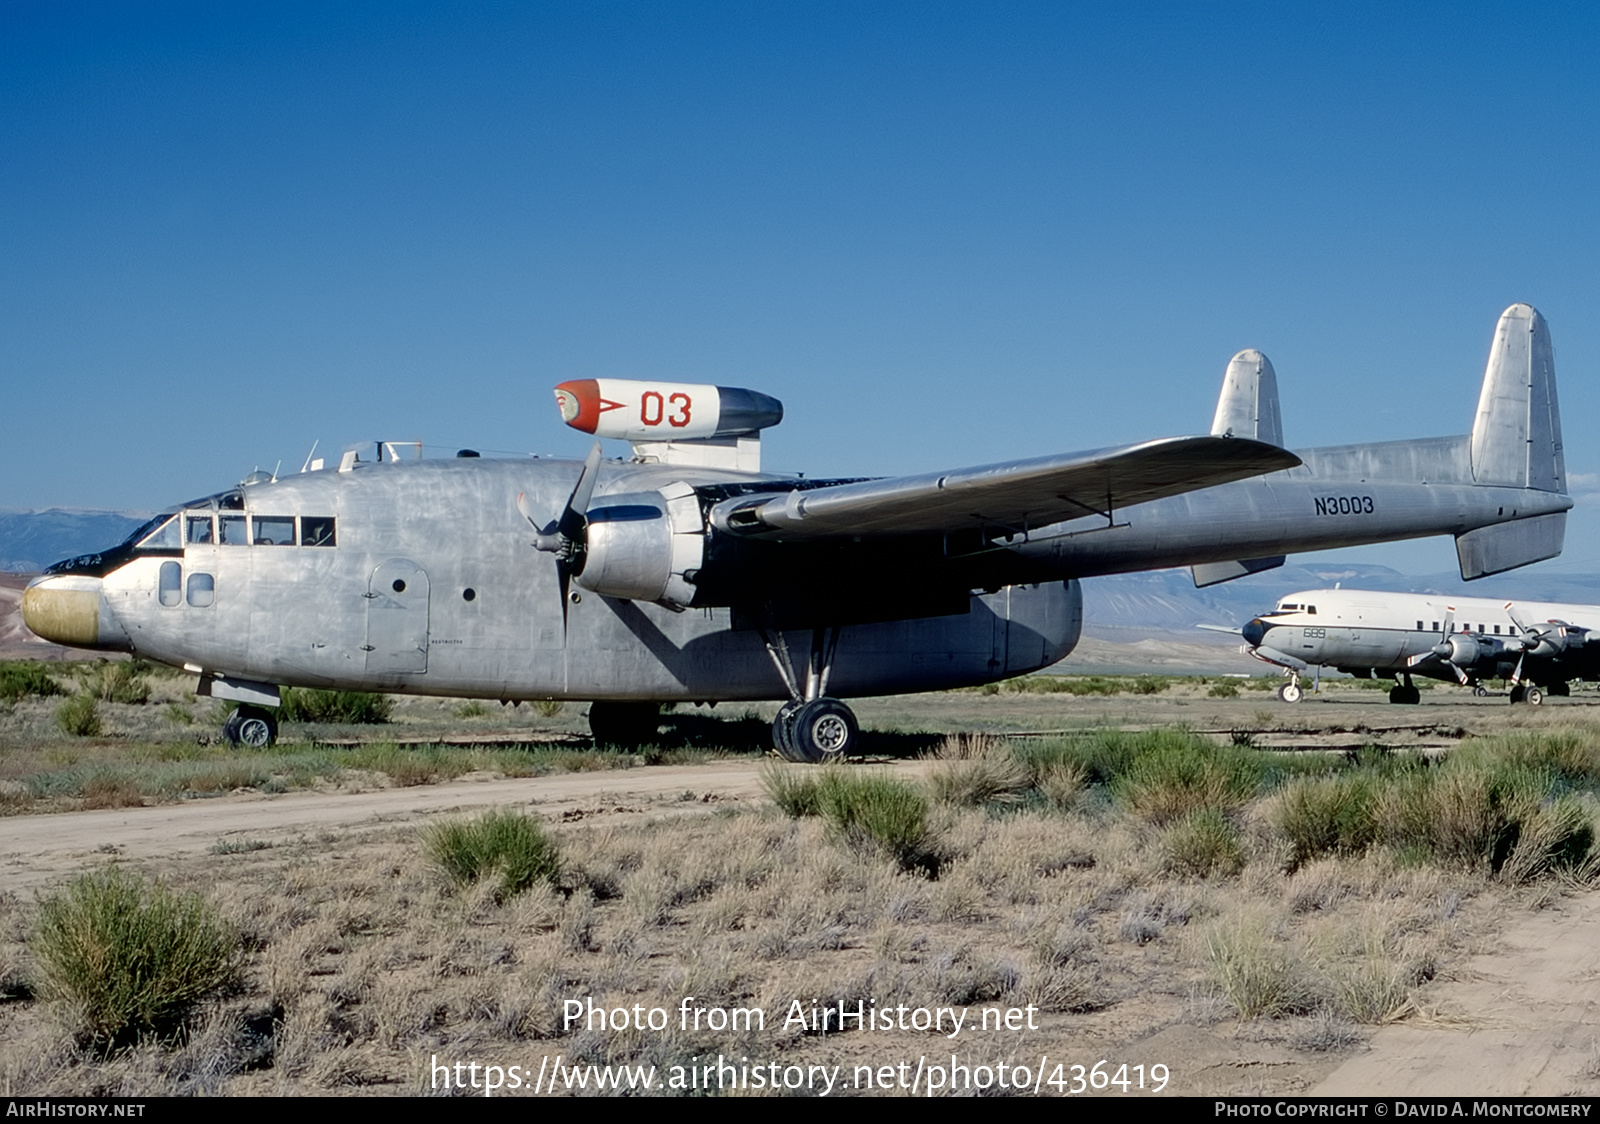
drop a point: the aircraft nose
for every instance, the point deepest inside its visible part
(1254, 632)
(64, 610)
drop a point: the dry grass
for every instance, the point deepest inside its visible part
(1109, 917)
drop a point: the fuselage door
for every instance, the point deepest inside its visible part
(397, 618)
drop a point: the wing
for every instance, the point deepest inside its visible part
(1016, 495)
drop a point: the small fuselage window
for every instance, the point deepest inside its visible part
(316, 530)
(273, 530)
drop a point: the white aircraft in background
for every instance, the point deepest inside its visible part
(1538, 647)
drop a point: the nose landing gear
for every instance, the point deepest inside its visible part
(251, 727)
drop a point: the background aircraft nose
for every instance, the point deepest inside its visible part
(1254, 632)
(64, 610)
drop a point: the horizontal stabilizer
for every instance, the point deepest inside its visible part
(1505, 546)
(1014, 496)
(1215, 573)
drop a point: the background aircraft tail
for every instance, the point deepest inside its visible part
(1516, 443)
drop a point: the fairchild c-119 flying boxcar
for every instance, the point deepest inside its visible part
(686, 573)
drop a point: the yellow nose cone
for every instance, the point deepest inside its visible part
(62, 616)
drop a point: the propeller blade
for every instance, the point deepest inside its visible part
(566, 536)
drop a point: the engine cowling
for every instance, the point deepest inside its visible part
(645, 546)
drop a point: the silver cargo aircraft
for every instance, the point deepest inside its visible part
(1538, 647)
(685, 573)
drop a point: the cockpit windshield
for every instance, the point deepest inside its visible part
(160, 533)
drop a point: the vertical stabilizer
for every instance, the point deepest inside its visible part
(1516, 439)
(1248, 406)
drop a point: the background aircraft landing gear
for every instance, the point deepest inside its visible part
(1481, 691)
(624, 725)
(1290, 692)
(251, 727)
(1530, 694)
(1405, 694)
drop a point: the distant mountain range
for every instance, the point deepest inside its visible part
(32, 540)
(1121, 607)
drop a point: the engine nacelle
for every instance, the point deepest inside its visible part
(632, 410)
(645, 546)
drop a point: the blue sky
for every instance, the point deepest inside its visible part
(941, 234)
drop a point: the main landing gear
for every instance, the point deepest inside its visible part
(624, 725)
(1530, 694)
(1405, 694)
(810, 727)
(251, 727)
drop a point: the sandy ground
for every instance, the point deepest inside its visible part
(1517, 1017)
(1520, 1019)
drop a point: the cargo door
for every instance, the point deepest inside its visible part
(397, 618)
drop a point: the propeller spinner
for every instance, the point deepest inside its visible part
(567, 535)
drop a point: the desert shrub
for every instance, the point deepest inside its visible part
(122, 681)
(868, 811)
(20, 680)
(1328, 815)
(79, 716)
(796, 792)
(1377, 981)
(1556, 836)
(1570, 757)
(1203, 844)
(508, 843)
(976, 769)
(473, 709)
(878, 812)
(548, 708)
(1149, 685)
(302, 704)
(1224, 690)
(1061, 784)
(124, 957)
(1259, 973)
(1175, 778)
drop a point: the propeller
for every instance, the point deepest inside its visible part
(1546, 640)
(1453, 650)
(567, 535)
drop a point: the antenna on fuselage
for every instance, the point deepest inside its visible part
(305, 467)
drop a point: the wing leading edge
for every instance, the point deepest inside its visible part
(1016, 495)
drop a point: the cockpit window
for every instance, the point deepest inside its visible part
(233, 533)
(164, 532)
(200, 533)
(273, 530)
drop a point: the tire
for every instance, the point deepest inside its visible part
(783, 732)
(251, 727)
(1402, 695)
(1291, 693)
(1517, 693)
(1533, 696)
(823, 730)
(1481, 691)
(624, 725)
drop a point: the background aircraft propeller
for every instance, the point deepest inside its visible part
(567, 535)
(1452, 651)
